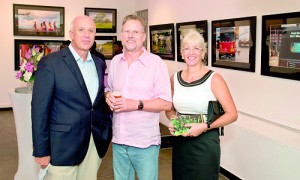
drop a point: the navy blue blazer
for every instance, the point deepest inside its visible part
(63, 116)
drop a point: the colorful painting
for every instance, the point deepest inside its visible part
(105, 19)
(162, 41)
(38, 20)
(105, 45)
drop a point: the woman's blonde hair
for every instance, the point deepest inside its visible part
(193, 36)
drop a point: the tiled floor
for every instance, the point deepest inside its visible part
(9, 153)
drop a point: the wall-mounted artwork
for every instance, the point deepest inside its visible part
(143, 14)
(162, 41)
(233, 43)
(182, 28)
(105, 19)
(280, 53)
(32, 20)
(23, 45)
(105, 45)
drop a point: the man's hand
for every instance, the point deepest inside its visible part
(42, 161)
(110, 100)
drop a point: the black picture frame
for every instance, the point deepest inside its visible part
(233, 43)
(162, 40)
(200, 26)
(105, 19)
(22, 45)
(280, 45)
(31, 20)
(105, 45)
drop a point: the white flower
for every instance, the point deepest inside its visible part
(22, 67)
(27, 75)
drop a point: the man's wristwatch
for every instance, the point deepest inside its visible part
(141, 105)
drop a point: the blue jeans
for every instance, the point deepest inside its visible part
(128, 159)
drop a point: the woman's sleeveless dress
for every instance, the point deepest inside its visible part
(195, 158)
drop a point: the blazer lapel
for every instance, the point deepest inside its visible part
(73, 66)
(100, 72)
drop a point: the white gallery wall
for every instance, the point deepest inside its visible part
(254, 147)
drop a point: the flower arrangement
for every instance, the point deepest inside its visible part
(30, 58)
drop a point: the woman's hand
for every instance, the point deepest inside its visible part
(171, 128)
(195, 129)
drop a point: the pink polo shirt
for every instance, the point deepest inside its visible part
(146, 78)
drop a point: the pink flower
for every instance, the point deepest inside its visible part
(36, 48)
(29, 67)
(28, 54)
(19, 75)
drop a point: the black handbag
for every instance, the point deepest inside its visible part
(214, 111)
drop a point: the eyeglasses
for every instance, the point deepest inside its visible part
(197, 49)
(134, 33)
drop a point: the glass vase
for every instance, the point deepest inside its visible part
(25, 89)
(29, 86)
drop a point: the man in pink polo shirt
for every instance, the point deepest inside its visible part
(142, 80)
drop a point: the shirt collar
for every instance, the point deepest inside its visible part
(142, 58)
(77, 57)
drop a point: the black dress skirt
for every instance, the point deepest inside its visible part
(196, 158)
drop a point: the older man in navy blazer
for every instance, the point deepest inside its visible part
(71, 124)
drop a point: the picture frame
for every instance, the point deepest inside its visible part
(233, 43)
(105, 45)
(32, 20)
(21, 46)
(105, 19)
(280, 45)
(181, 28)
(162, 40)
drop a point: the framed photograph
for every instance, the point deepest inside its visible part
(105, 45)
(32, 20)
(182, 28)
(45, 47)
(162, 41)
(280, 45)
(105, 19)
(233, 43)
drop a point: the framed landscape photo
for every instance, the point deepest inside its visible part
(105, 19)
(162, 41)
(182, 28)
(280, 45)
(233, 43)
(30, 20)
(23, 45)
(105, 45)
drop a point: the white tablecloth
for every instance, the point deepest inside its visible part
(27, 168)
